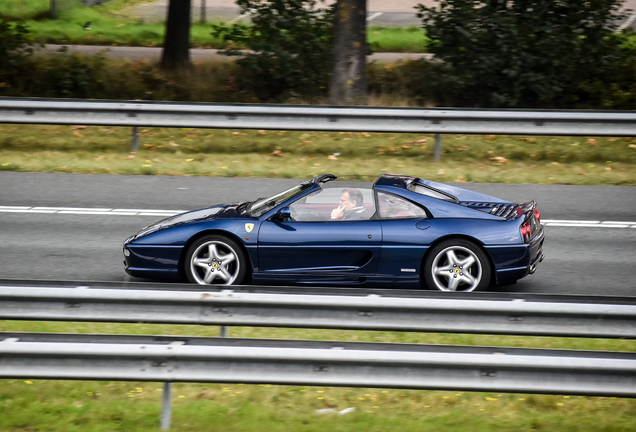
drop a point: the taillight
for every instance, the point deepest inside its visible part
(537, 213)
(526, 231)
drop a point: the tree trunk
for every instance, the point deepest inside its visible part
(176, 46)
(348, 80)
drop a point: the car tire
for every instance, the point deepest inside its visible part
(217, 260)
(457, 265)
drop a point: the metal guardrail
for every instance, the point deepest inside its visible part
(130, 358)
(317, 118)
(503, 315)
(179, 358)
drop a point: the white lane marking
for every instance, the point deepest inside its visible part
(72, 209)
(168, 213)
(91, 211)
(588, 224)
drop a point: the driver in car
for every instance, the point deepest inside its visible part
(351, 206)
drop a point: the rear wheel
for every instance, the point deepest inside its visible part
(457, 265)
(216, 260)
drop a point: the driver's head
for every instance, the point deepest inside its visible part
(352, 198)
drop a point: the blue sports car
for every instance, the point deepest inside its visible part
(403, 232)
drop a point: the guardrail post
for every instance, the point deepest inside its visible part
(438, 147)
(166, 406)
(135, 138)
(224, 332)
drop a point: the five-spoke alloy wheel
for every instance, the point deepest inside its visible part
(457, 265)
(216, 259)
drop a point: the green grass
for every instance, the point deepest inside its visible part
(37, 405)
(112, 25)
(397, 39)
(287, 154)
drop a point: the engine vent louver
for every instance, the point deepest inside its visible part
(504, 211)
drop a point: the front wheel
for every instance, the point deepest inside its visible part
(216, 260)
(457, 265)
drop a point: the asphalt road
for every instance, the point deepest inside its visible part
(65, 246)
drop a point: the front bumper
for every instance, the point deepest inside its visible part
(152, 261)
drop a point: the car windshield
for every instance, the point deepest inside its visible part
(262, 205)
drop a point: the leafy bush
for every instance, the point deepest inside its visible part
(291, 44)
(533, 53)
(14, 50)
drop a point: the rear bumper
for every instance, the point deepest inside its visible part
(535, 250)
(515, 262)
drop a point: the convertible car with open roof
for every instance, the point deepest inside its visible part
(403, 232)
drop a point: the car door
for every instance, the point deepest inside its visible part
(405, 236)
(315, 247)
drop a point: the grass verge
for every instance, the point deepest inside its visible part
(286, 154)
(113, 23)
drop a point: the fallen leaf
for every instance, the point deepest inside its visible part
(100, 157)
(78, 135)
(499, 160)
(78, 127)
(491, 137)
(632, 146)
(277, 153)
(332, 157)
(130, 157)
(592, 141)
(174, 144)
(555, 163)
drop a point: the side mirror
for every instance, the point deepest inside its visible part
(284, 214)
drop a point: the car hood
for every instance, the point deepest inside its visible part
(221, 211)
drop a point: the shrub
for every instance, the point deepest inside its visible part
(291, 44)
(14, 51)
(533, 53)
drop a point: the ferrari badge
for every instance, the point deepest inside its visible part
(249, 227)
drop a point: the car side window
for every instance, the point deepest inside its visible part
(395, 207)
(356, 204)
